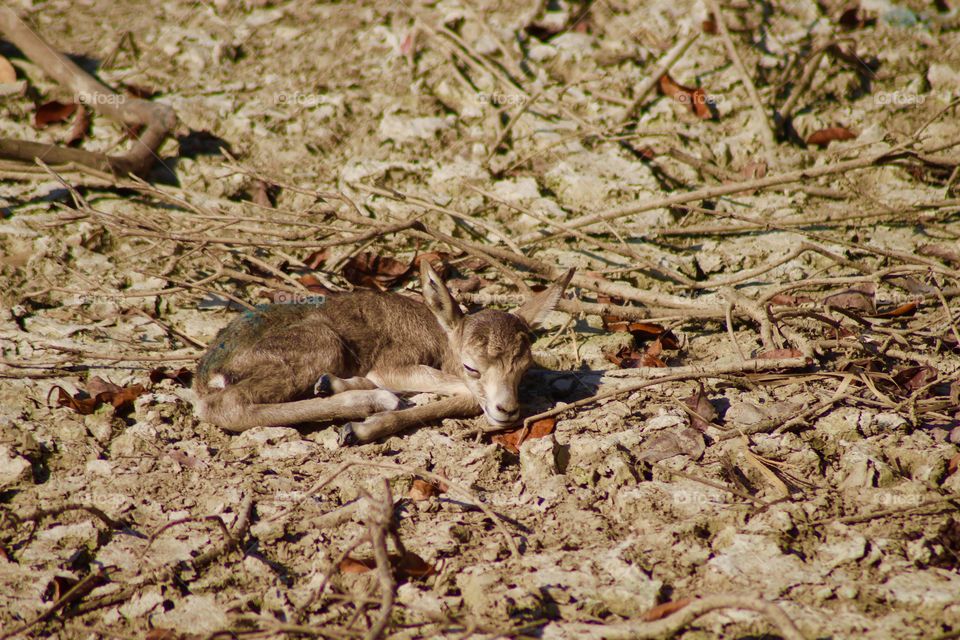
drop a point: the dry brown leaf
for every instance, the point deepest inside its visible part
(181, 376)
(651, 356)
(7, 73)
(851, 300)
(696, 99)
(823, 137)
(99, 392)
(97, 385)
(375, 271)
(53, 112)
(512, 440)
(953, 464)
(354, 565)
(664, 609)
(317, 258)
(687, 441)
(313, 284)
(902, 310)
(413, 566)
(81, 125)
(626, 358)
(410, 565)
(702, 410)
(915, 378)
(423, 490)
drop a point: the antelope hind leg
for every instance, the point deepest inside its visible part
(228, 412)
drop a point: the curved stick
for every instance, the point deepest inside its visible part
(159, 119)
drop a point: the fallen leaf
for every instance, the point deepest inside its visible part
(953, 464)
(664, 609)
(687, 441)
(851, 300)
(53, 112)
(512, 440)
(697, 99)
(902, 310)
(413, 566)
(651, 355)
(313, 284)
(702, 411)
(915, 378)
(181, 376)
(81, 125)
(423, 490)
(316, 259)
(626, 358)
(97, 385)
(99, 392)
(410, 565)
(646, 329)
(374, 271)
(353, 565)
(437, 259)
(7, 73)
(823, 137)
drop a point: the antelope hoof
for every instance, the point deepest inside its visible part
(323, 387)
(346, 436)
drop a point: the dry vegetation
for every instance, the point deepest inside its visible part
(747, 418)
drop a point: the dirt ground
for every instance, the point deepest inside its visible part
(796, 476)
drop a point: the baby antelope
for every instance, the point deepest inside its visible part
(347, 359)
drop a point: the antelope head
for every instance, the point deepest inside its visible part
(493, 346)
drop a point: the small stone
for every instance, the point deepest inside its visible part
(13, 468)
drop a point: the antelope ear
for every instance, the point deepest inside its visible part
(534, 310)
(438, 298)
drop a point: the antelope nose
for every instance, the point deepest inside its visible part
(509, 412)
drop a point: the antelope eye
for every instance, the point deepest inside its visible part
(473, 373)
